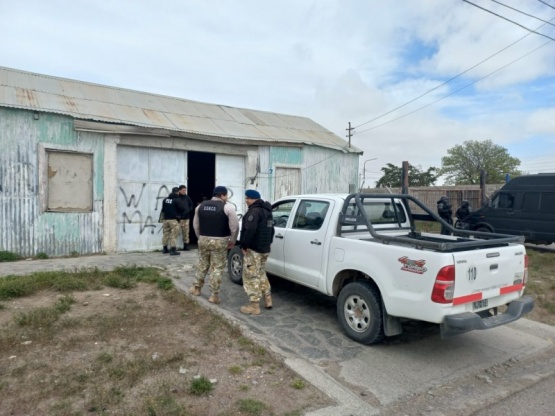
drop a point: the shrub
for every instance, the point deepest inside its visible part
(8, 256)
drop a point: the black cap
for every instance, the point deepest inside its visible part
(219, 190)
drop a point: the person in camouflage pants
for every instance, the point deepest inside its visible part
(255, 281)
(170, 227)
(170, 230)
(217, 225)
(212, 255)
(257, 233)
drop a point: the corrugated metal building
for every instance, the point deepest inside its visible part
(84, 167)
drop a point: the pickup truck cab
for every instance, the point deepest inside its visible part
(364, 250)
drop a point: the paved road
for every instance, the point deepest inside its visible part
(411, 374)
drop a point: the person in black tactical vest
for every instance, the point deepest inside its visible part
(257, 234)
(216, 224)
(446, 213)
(170, 227)
(185, 207)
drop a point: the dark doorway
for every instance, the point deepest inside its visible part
(201, 179)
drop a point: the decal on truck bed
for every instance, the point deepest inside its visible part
(413, 266)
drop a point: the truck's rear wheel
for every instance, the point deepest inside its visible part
(235, 265)
(359, 311)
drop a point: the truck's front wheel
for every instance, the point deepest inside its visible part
(235, 265)
(359, 311)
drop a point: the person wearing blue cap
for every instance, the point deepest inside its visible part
(257, 234)
(216, 224)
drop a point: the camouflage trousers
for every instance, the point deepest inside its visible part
(170, 230)
(212, 258)
(255, 281)
(184, 224)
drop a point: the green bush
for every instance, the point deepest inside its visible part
(41, 255)
(8, 256)
(200, 386)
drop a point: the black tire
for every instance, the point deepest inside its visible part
(483, 229)
(359, 311)
(235, 265)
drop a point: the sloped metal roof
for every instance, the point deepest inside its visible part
(95, 102)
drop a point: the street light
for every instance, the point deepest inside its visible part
(364, 172)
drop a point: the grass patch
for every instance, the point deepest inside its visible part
(9, 256)
(41, 256)
(80, 280)
(298, 384)
(200, 386)
(251, 407)
(236, 369)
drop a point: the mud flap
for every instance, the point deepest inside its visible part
(391, 325)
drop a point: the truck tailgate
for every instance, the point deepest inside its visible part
(482, 277)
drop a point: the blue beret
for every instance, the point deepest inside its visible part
(219, 190)
(252, 194)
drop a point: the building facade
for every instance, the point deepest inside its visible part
(84, 167)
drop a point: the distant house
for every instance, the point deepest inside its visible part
(84, 167)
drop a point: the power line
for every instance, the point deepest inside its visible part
(446, 82)
(547, 4)
(456, 91)
(520, 11)
(509, 20)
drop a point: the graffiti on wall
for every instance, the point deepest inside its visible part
(133, 214)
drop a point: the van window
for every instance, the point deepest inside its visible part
(531, 201)
(503, 200)
(547, 202)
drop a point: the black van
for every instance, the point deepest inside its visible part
(523, 206)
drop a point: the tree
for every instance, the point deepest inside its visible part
(392, 176)
(464, 163)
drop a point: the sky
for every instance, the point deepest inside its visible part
(413, 77)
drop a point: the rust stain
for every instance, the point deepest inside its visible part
(51, 173)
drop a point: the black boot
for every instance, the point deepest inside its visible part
(165, 250)
(174, 252)
(185, 247)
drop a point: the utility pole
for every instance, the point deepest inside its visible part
(349, 134)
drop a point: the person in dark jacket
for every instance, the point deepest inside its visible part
(445, 211)
(170, 227)
(463, 212)
(185, 207)
(257, 234)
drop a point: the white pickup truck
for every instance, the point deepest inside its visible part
(365, 250)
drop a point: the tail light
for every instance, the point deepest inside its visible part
(525, 277)
(444, 286)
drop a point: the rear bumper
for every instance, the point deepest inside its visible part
(469, 321)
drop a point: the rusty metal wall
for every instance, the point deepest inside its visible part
(25, 228)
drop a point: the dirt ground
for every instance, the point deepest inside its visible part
(137, 352)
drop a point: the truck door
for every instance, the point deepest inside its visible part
(304, 244)
(281, 212)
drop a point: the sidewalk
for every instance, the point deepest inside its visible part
(102, 261)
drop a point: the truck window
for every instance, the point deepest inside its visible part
(379, 212)
(310, 215)
(281, 213)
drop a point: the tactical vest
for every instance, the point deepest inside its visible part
(213, 221)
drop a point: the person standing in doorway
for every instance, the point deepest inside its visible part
(216, 224)
(170, 227)
(185, 208)
(257, 234)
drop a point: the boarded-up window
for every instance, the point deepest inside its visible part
(70, 182)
